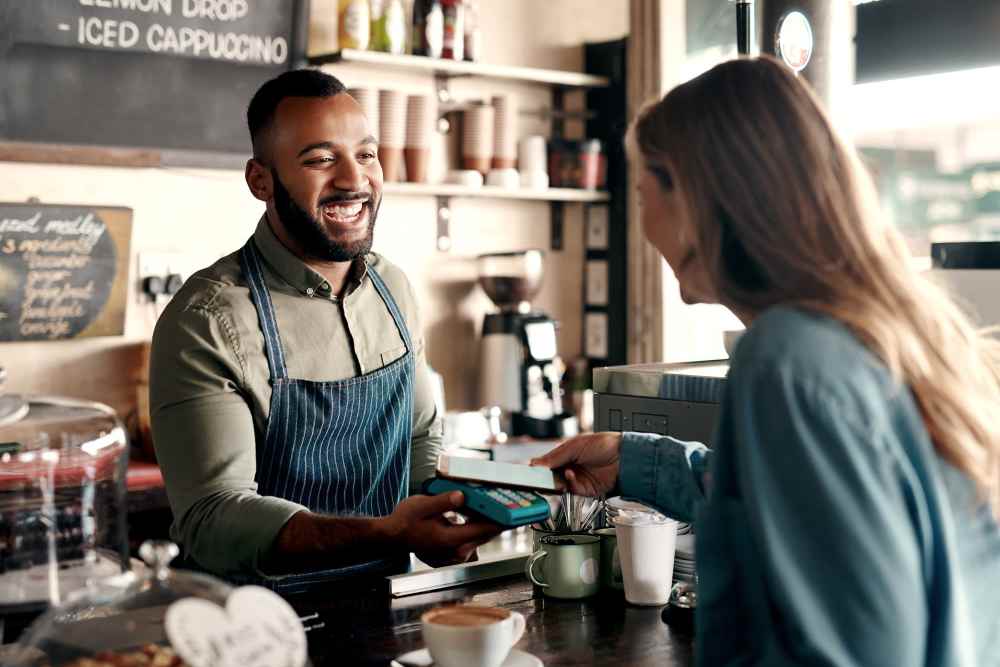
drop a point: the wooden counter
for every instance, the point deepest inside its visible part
(363, 626)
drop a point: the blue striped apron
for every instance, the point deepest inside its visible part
(340, 448)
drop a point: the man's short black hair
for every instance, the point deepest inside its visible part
(294, 83)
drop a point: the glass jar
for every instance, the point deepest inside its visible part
(63, 514)
(160, 615)
(428, 28)
(453, 46)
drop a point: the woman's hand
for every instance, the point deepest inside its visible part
(589, 463)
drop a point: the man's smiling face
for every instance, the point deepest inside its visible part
(327, 180)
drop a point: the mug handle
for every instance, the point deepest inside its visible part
(529, 570)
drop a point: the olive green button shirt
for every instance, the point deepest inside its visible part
(210, 389)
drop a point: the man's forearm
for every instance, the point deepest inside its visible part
(314, 542)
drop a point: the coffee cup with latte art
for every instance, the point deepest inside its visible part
(471, 636)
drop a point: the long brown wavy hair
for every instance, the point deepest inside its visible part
(784, 213)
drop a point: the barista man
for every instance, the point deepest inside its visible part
(291, 404)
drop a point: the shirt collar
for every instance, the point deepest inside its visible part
(297, 273)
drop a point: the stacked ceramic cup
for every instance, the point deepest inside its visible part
(419, 128)
(392, 129)
(533, 162)
(504, 133)
(477, 138)
(367, 99)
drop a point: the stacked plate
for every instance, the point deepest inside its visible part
(684, 558)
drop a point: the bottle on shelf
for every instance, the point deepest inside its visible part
(454, 29)
(353, 24)
(388, 26)
(473, 32)
(428, 28)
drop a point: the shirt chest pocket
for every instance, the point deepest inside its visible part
(392, 354)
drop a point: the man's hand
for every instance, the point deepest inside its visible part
(420, 525)
(589, 463)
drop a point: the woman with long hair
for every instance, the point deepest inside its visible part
(847, 512)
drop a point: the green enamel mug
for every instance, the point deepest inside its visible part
(611, 567)
(566, 566)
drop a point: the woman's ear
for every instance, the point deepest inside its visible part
(259, 180)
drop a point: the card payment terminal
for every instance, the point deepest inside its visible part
(507, 507)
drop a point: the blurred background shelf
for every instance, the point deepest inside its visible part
(453, 68)
(446, 190)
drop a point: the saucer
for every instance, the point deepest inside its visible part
(422, 658)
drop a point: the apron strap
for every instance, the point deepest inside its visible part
(397, 316)
(261, 297)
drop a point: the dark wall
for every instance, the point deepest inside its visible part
(898, 38)
(894, 38)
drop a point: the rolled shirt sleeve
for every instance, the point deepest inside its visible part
(664, 472)
(204, 437)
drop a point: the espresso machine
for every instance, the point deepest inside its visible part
(520, 370)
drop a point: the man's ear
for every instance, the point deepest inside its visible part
(259, 180)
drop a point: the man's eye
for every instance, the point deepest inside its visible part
(320, 160)
(367, 157)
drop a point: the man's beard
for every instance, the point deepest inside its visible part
(311, 235)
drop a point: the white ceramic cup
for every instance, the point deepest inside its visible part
(532, 155)
(504, 128)
(485, 645)
(646, 551)
(534, 180)
(730, 338)
(504, 178)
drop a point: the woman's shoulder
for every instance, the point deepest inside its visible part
(817, 354)
(796, 337)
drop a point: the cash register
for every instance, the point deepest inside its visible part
(679, 399)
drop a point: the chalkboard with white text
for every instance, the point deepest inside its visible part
(63, 271)
(170, 74)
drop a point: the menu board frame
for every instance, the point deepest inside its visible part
(64, 270)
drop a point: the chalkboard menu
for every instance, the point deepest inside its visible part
(63, 271)
(170, 74)
(254, 32)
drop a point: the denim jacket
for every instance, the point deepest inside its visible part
(829, 532)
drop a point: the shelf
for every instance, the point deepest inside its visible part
(445, 190)
(555, 197)
(452, 68)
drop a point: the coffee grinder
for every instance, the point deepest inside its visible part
(520, 370)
